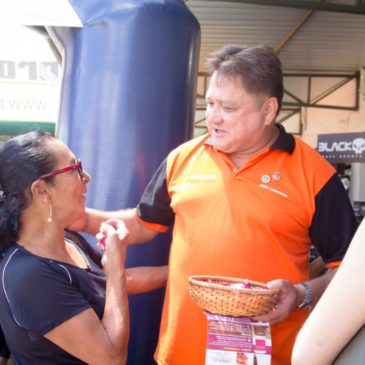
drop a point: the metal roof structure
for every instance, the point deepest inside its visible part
(318, 42)
(308, 35)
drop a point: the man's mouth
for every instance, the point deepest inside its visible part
(218, 131)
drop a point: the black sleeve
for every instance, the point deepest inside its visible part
(334, 222)
(154, 206)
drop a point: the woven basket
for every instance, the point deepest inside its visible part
(215, 295)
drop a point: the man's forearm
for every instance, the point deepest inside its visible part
(146, 278)
(138, 233)
(94, 218)
(317, 285)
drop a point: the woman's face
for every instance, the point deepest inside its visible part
(67, 192)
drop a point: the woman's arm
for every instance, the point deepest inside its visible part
(84, 335)
(340, 312)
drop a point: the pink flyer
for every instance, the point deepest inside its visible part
(237, 341)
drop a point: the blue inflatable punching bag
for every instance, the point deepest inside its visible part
(128, 98)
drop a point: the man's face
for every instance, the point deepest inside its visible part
(236, 119)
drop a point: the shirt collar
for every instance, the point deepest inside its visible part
(284, 142)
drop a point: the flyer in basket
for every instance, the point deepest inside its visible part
(237, 341)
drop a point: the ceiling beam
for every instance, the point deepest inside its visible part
(293, 31)
(309, 5)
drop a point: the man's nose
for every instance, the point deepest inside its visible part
(214, 114)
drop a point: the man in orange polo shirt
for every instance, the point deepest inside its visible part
(246, 200)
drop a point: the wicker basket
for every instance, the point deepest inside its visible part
(215, 294)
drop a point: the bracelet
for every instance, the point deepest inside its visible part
(308, 296)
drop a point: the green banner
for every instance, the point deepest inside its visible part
(12, 128)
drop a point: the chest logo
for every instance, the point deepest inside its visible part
(265, 178)
(276, 176)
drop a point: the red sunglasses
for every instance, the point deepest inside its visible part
(76, 166)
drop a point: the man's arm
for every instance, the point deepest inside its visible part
(292, 295)
(332, 228)
(145, 278)
(91, 220)
(317, 287)
(154, 208)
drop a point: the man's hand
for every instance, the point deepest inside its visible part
(287, 301)
(291, 295)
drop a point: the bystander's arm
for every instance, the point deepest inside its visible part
(339, 313)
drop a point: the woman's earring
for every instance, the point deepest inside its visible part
(49, 220)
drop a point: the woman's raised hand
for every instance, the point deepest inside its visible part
(111, 238)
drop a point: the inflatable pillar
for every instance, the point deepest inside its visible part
(128, 98)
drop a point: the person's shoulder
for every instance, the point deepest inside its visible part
(21, 269)
(16, 256)
(189, 146)
(21, 261)
(312, 164)
(311, 154)
(300, 143)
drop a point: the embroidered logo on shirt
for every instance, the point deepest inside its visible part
(203, 178)
(276, 175)
(265, 178)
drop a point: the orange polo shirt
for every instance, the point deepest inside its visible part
(257, 222)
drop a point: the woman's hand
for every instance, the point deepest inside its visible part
(111, 239)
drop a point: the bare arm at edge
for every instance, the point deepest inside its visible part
(340, 312)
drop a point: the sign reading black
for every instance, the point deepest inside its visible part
(342, 148)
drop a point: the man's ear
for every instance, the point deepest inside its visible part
(270, 108)
(39, 190)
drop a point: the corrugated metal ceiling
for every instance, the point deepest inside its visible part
(326, 41)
